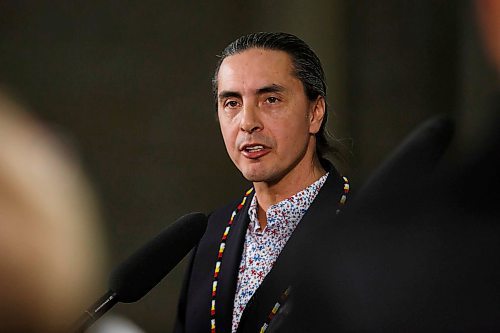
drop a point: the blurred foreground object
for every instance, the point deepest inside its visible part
(488, 19)
(115, 324)
(49, 249)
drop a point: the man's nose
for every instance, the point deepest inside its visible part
(250, 120)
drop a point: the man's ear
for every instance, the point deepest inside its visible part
(316, 114)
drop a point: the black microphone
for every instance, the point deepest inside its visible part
(408, 166)
(137, 275)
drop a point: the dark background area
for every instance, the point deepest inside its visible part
(127, 84)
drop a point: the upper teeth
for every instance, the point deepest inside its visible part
(255, 148)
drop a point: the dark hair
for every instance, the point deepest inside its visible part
(307, 68)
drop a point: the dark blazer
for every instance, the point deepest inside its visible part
(195, 300)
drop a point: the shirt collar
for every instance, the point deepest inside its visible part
(300, 202)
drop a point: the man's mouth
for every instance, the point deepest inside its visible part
(252, 149)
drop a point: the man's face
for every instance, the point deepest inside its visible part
(267, 121)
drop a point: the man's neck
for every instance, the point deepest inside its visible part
(270, 193)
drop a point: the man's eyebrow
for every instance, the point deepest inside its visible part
(273, 88)
(227, 93)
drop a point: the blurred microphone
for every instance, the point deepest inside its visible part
(408, 166)
(137, 275)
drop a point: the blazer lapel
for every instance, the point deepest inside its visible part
(287, 269)
(228, 274)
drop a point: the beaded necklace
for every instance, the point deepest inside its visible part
(219, 258)
(222, 247)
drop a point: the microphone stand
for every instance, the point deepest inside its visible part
(95, 312)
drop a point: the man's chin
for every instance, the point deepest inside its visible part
(253, 176)
(259, 177)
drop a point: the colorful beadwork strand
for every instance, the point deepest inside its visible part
(343, 198)
(274, 311)
(222, 247)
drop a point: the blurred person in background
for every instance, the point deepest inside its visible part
(50, 249)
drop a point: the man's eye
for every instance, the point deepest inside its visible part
(272, 100)
(231, 104)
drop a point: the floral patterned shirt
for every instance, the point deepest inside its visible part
(262, 247)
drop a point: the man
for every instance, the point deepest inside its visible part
(271, 103)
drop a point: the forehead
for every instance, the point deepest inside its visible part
(254, 68)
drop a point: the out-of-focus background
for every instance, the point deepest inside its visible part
(128, 86)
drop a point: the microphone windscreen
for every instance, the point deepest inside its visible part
(409, 165)
(137, 275)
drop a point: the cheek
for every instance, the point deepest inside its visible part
(293, 131)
